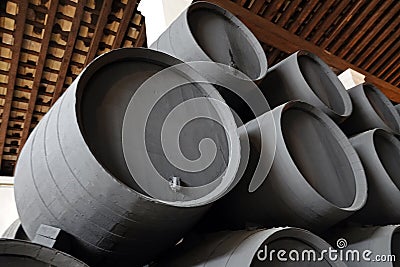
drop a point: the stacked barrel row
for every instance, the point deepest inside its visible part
(194, 153)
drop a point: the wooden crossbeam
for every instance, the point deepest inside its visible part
(69, 49)
(12, 76)
(125, 21)
(271, 34)
(39, 69)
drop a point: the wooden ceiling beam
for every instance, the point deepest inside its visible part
(125, 21)
(382, 66)
(16, 50)
(290, 10)
(48, 30)
(98, 33)
(328, 21)
(257, 6)
(69, 49)
(271, 34)
(359, 35)
(272, 9)
(342, 23)
(303, 15)
(371, 58)
(373, 33)
(317, 17)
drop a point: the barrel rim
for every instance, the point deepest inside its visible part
(359, 178)
(342, 92)
(395, 116)
(161, 59)
(255, 44)
(18, 247)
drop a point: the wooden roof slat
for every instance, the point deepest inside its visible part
(142, 36)
(69, 49)
(272, 9)
(372, 34)
(101, 23)
(342, 23)
(381, 64)
(354, 38)
(123, 26)
(288, 42)
(39, 69)
(328, 21)
(257, 6)
(303, 15)
(16, 49)
(392, 67)
(319, 14)
(289, 12)
(371, 58)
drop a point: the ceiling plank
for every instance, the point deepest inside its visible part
(16, 50)
(39, 69)
(272, 9)
(381, 66)
(290, 10)
(140, 41)
(371, 58)
(355, 38)
(372, 34)
(69, 49)
(288, 42)
(98, 33)
(302, 16)
(328, 21)
(317, 17)
(257, 6)
(342, 23)
(125, 21)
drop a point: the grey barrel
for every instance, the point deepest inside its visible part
(79, 172)
(379, 152)
(303, 76)
(368, 246)
(398, 108)
(371, 109)
(18, 253)
(254, 248)
(208, 33)
(316, 178)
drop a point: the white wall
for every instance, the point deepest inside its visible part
(8, 210)
(159, 15)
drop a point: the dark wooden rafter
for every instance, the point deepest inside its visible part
(39, 69)
(371, 59)
(69, 49)
(303, 15)
(124, 24)
(101, 23)
(291, 9)
(382, 66)
(328, 21)
(317, 17)
(16, 50)
(342, 23)
(288, 42)
(272, 9)
(355, 38)
(392, 12)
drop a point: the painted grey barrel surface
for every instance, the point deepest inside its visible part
(379, 152)
(252, 248)
(398, 108)
(371, 246)
(72, 173)
(18, 253)
(303, 76)
(371, 109)
(15, 231)
(316, 178)
(207, 32)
